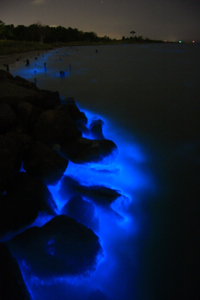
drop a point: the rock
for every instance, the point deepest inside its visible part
(84, 150)
(72, 108)
(4, 75)
(24, 140)
(81, 126)
(98, 194)
(13, 94)
(28, 114)
(11, 155)
(55, 127)
(81, 210)
(96, 129)
(61, 247)
(49, 99)
(12, 283)
(8, 118)
(44, 163)
(25, 185)
(17, 213)
(25, 83)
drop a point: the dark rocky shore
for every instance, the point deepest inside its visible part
(40, 134)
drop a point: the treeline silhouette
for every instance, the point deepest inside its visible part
(46, 34)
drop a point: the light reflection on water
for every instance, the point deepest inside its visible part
(153, 90)
(115, 274)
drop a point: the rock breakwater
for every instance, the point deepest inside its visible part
(39, 135)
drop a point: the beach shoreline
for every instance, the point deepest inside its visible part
(11, 59)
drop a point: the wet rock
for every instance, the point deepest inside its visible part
(98, 194)
(96, 129)
(25, 185)
(82, 127)
(75, 113)
(8, 118)
(44, 163)
(81, 210)
(84, 150)
(55, 127)
(61, 247)
(11, 155)
(12, 283)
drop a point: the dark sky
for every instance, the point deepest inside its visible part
(156, 19)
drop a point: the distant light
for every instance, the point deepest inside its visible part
(193, 42)
(165, 41)
(180, 42)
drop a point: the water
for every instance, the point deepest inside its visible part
(148, 98)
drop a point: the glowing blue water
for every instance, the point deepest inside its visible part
(137, 91)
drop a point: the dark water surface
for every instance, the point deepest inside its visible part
(149, 98)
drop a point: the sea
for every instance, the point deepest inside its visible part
(148, 97)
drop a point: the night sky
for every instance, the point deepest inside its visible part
(156, 19)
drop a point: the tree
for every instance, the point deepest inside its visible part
(2, 30)
(132, 32)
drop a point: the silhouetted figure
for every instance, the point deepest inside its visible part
(45, 66)
(38, 54)
(36, 57)
(62, 73)
(35, 80)
(96, 51)
(27, 62)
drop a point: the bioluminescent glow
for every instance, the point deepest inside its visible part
(116, 226)
(118, 222)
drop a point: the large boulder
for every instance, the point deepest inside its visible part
(100, 195)
(11, 156)
(17, 213)
(70, 106)
(96, 129)
(25, 198)
(23, 184)
(13, 94)
(84, 150)
(28, 115)
(5, 75)
(44, 163)
(25, 83)
(55, 127)
(48, 99)
(61, 247)
(81, 210)
(12, 284)
(8, 118)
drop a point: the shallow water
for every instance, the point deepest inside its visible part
(148, 98)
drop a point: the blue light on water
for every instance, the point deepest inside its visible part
(123, 174)
(118, 226)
